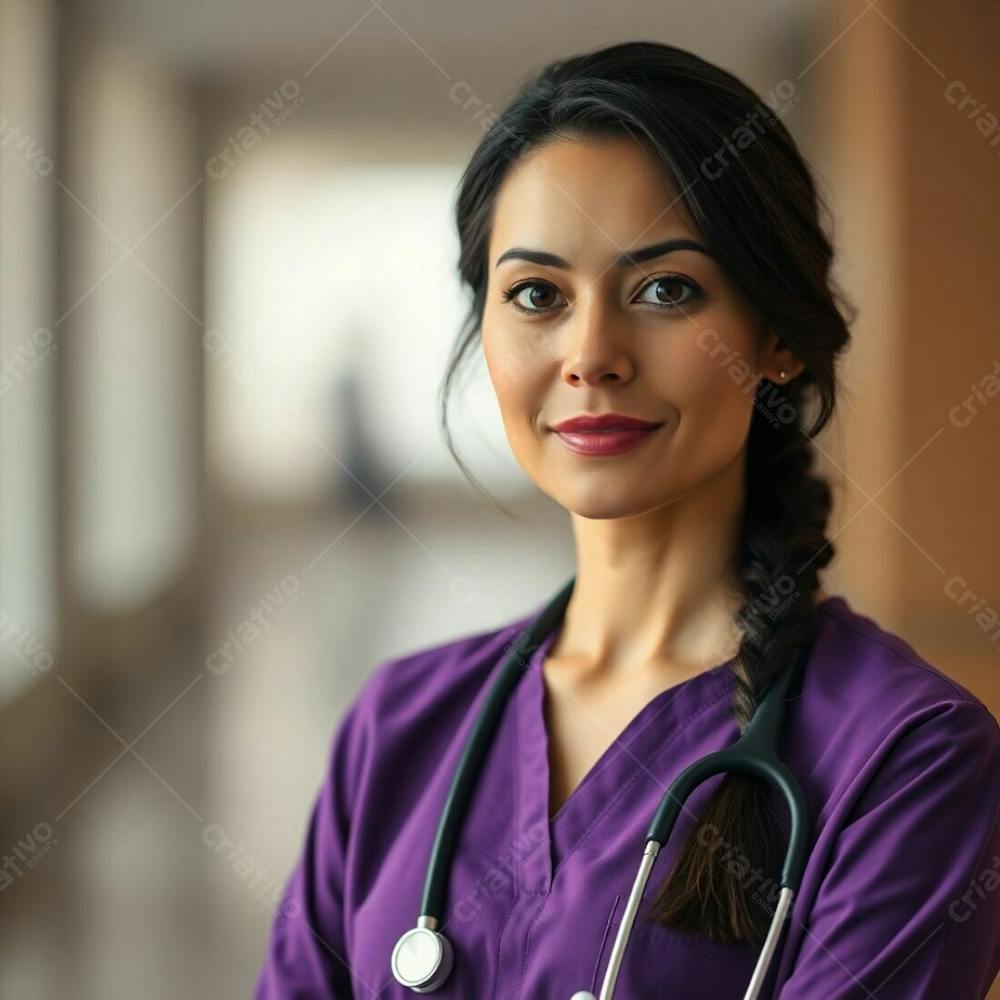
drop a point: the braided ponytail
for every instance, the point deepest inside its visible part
(782, 548)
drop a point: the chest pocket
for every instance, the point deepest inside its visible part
(663, 964)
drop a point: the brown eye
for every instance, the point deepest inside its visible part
(538, 296)
(670, 291)
(532, 297)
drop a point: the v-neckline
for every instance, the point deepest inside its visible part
(553, 839)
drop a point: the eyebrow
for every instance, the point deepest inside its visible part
(628, 259)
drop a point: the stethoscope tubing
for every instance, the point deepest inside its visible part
(755, 753)
(477, 745)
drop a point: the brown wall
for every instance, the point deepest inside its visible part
(915, 189)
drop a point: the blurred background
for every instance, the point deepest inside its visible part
(227, 296)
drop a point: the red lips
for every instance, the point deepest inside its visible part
(603, 434)
(587, 423)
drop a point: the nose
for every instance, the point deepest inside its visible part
(596, 351)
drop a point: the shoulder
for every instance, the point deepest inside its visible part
(433, 682)
(860, 663)
(870, 702)
(901, 767)
(451, 669)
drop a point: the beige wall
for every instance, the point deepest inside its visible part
(915, 187)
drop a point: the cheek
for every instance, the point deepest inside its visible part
(713, 408)
(517, 370)
(705, 372)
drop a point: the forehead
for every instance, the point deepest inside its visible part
(586, 200)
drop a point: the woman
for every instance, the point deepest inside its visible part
(700, 535)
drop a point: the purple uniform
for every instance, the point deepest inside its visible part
(900, 897)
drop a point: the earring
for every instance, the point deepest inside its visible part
(781, 375)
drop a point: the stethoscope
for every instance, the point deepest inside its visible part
(423, 956)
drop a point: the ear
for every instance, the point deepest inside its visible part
(775, 358)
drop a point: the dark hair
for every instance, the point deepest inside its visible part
(749, 193)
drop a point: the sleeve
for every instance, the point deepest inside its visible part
(909, 906)
(307, 951)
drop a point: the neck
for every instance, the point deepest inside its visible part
(653, 592)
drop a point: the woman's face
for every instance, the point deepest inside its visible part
(661, 340)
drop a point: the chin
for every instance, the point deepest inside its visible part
(598, 504)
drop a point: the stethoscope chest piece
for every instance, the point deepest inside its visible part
(422, 959)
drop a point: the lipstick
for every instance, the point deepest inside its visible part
(603, 434)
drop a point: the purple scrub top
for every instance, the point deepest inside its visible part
(901, 893)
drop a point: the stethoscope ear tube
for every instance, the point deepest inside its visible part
(755, 752)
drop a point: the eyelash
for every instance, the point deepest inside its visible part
(510, 294)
